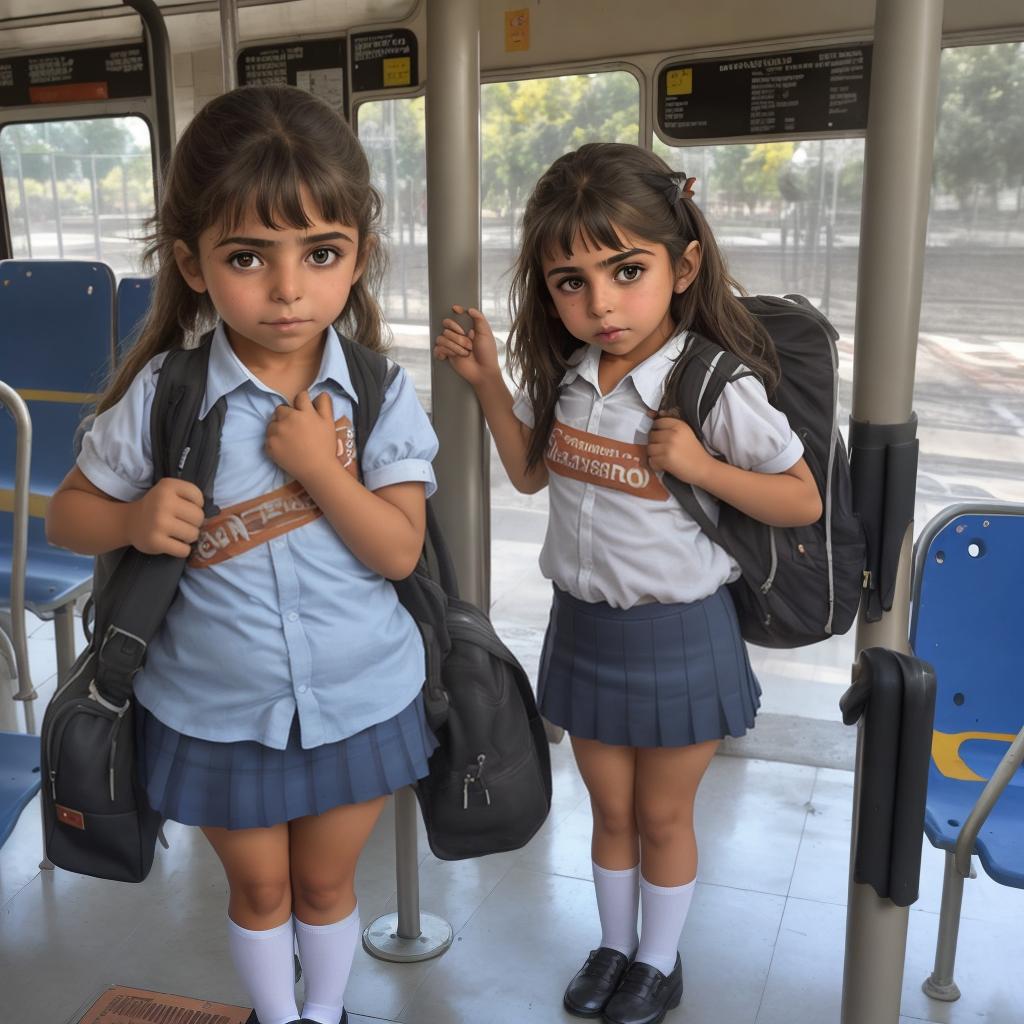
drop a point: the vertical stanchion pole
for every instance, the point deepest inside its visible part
(897, 181)
(228, 44)
(462, 501)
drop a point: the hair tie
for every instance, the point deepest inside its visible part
(673, 186)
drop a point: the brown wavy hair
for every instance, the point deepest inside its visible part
(252, 151)
(598, 192)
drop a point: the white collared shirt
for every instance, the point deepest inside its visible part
(623, 538)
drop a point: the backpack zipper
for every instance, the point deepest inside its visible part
(478, 778)
(767, 585)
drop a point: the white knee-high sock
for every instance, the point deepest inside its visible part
(264, 962)
(326, 953)
(664, 910)
(618, 898)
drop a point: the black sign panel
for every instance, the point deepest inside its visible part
(384, 60)
(318, 66)
(75, 76)
(803, 92)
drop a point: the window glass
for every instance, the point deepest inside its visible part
(393, 133)
(79, 189)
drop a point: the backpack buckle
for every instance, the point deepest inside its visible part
(119, 658)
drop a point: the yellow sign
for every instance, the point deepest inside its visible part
(517, 30)
(679, 82)
(397, 71)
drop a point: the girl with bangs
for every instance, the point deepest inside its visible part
(643, 663)
(280, 702)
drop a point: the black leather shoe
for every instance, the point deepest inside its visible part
(595, 982)
(645, 995)
(344, 1019)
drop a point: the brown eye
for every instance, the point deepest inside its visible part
(244, 260)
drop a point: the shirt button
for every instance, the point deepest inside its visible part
(293, 616)
(303, 688)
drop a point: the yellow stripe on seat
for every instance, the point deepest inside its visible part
(67, 397)
(36, 503)
(946, 752)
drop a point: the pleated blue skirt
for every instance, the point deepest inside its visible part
(244, 784)
(655, 675)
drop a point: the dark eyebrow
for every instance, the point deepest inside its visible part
(267, 243)
(618, 258)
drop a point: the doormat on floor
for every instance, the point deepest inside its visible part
(122, 1005)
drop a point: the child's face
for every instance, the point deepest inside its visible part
(617, 300)
(276, 289)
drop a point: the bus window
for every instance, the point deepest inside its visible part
(525, 126)
(79, 189)
(393, 133)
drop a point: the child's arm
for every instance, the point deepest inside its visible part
(384, 528)
(474, 357)
(788, 498)
(164, 521)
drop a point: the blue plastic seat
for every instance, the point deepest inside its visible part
(56, 350)
(965, 616)
(133, 295)
(19, 777)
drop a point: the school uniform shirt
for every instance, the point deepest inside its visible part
(295, 625)
(615, 534)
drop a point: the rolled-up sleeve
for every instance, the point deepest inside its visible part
(750, 432)
(116, 453)
(402, 444)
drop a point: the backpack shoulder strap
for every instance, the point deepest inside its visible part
(698, 379)
(133, 601)
(371, 377)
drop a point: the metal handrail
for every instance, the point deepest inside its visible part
(993, 790)
(19, 548)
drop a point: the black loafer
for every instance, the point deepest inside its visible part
(645, 995)
(595, 982)
(344, 1019)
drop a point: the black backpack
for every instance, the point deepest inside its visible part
(96, 818)
(799, 584)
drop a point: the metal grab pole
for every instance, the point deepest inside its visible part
(897, 181)
(228, 44)
(410, 935)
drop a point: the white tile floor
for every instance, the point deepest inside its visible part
(763, 943)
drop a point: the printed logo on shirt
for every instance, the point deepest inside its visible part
(247, 524)
(601, 461)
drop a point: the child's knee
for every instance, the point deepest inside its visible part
(322, 892)
(615, 821)
(261, 897)
(664, 824)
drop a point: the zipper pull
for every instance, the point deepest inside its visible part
(465, 791)
(480, 758)
(53, 783)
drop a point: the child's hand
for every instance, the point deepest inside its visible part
(473, 353)
(301, 440)
(166, 519)
(672, 447)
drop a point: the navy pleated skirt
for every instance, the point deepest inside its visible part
(655, 675)
(244, 784)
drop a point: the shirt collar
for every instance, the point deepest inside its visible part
(648, 378)
(227, 372)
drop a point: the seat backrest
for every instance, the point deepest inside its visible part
(966, 620)
(133, 295)
(56, 351)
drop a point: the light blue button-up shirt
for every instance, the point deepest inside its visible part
(297, 625)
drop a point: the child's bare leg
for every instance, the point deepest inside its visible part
(666, 787)
(260, 931)
(325, 851)
(609, 773)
